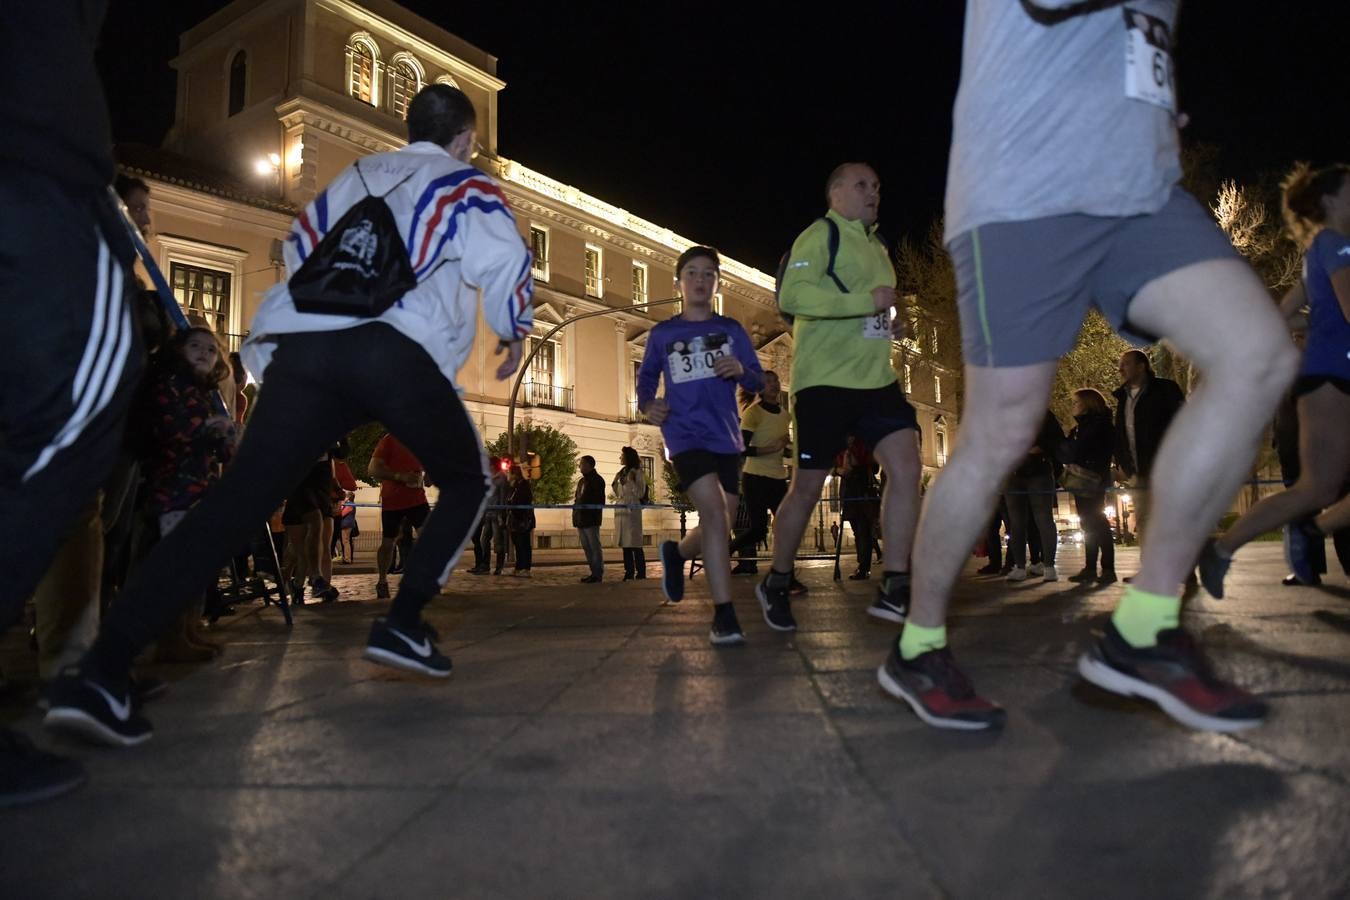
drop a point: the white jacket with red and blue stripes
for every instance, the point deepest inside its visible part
(460, 236)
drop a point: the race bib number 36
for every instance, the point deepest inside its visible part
(1148, 60)
(694, 359)
(878, 325)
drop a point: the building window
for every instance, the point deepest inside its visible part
(539, 247)
(909, 386)
(639, 283)
(363, 64)
(541, 387)
(649, 472)
(204, 295)
(935, 340)
(405, 80)
(940, 439)
(937, 389)
(717, 303)
(238, 78)
(594, 285)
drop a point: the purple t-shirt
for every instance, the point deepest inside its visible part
(1328, 348)
(703, 413)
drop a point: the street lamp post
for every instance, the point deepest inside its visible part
(525, 363)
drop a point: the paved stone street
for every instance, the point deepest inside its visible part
(591, 743)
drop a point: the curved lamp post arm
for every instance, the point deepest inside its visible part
(529, 357)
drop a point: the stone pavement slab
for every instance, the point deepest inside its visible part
(592, 743)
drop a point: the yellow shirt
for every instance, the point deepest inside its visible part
(765, 428)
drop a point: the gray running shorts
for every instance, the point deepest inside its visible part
(1023, 288)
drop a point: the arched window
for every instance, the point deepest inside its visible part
(363, 65)
(238, 78)
(405, 80)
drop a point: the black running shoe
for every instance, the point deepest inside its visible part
(88, 706)
(937, 691)
(1213, 568)
(726, 628)
(410, 649)
(381, 590)
(892, 600)
(672, 571)
(796, 588)
(29, 775)
(776, 605)
(745, 568)
(323, 591)
(1175, 675)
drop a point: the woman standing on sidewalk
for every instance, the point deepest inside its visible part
(1087, 474)
(520, 522)
(701, 356)
(630, 487)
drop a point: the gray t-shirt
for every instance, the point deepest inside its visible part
(1052, 119)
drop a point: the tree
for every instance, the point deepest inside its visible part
(362, 443)
(557, 459)
(1092, 363)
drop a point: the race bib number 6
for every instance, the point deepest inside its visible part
(694, 359)
(1148, 60)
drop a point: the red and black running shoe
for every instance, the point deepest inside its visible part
(1175, 675)
(937, 691)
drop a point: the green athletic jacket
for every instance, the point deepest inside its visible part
(839, 339)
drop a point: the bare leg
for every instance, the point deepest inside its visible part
(794, 514)
(384, 557)
(712, 536)
(1218, 314)
(1004, 409)
(1324, 453)
(898, 454)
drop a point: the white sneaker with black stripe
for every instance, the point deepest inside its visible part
(409, 649)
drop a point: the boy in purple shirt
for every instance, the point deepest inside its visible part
(702, 356)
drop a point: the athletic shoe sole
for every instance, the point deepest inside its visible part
(398, 661)
(1117, 682)
(725, 640)
(885, 613)
(764, 606)
(76, 722)
(897, 690)
(38, 795)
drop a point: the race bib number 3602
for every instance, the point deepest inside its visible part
(693, 360)
(1148, 60)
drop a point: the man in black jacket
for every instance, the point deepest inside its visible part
(590, 491)
(1145, 406)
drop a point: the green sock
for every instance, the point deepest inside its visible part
(1140, 616)
(916, 639)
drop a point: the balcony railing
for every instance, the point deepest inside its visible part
(634, 414)
(548, 396)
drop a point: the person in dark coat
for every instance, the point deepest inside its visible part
(590, 491)
(1086, 454)
(1145, 406)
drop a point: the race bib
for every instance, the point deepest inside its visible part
(693, 360)
(878, 325)
(1148, 60)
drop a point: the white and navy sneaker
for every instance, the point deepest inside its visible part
(410, 649)
(892, 600)
(672, 571)
(95, 709)
(726, 628)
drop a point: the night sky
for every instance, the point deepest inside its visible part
(723, 124)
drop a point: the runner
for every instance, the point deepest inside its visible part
(702, 356)
(843, 383)
(1062, 193)
(1317, 211)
